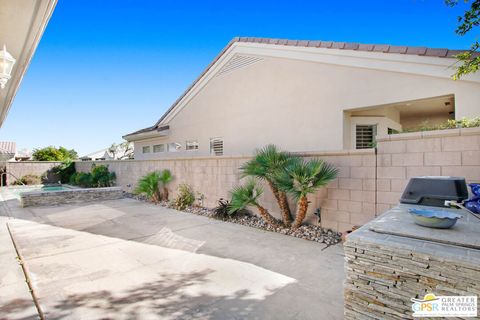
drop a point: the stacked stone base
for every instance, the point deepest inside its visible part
(51, 198)
(384, 272)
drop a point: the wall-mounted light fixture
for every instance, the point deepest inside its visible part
(6, 66)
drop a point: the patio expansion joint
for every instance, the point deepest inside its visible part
(26, 275)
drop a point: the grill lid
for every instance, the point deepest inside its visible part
(433, 191)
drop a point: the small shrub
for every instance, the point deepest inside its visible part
(149, 185)
(83, 179)
(73, 179)
(185, 197)
(64, 171)
(165, 178)
(224, 210)
(28, 179)
(101, 177)
(449, 124)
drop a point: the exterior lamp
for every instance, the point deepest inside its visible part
(6, 66)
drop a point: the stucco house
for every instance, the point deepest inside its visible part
(308, 96)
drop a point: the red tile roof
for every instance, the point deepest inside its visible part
(385, 48)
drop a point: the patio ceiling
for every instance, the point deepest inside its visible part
(22, 23)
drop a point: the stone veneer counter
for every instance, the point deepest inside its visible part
(384, 271)
(78, 195)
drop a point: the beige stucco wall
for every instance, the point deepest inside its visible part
(347, 201)
(19, 169)
(368, 183)
(454, 152)
(298, 105)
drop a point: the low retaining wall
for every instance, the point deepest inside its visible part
(22, 168)
(51, 198)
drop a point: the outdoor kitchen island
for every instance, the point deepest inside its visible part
(391, 260)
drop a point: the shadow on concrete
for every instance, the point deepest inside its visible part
(165, 299)
(318, 293)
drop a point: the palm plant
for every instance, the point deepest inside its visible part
(266, 164)
(302, 178)
(247, 195)
(165, 178)
(148, 185)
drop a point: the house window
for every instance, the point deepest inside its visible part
(365, 136)
(174, 147)
(216, 146)
(191, 145)
(159, 148)
(146, 149)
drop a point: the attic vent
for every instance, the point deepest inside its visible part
(238, 62)
(216, 146)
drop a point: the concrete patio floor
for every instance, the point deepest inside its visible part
(126, 259)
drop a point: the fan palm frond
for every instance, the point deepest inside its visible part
(245, 195)
(148, 185)
(304, 177)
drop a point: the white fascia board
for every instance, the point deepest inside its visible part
(147, 135)
(403, 63)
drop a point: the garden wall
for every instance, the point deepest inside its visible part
(454, 152)
(347, 201)
(368, 183)
(22, 168)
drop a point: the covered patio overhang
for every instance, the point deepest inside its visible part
(361, 125)
(22, 23)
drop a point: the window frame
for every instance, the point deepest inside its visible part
(194, 142)
(146, 148)
(158, 145)
(374, 129)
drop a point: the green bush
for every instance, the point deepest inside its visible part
(98, 177)
(101, 177)
(185, 197)
(28, 179)
(83, 180)
(73, 179)
(449, 124)
(64, 171)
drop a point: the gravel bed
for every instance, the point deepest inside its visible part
(307, 232)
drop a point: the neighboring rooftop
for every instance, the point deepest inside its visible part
(8, 147)
(381, 48)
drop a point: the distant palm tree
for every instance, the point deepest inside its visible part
(266, 164)
(149, 186)
(302, 178)
(165, 178)
(247, 195)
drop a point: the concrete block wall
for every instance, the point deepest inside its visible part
(347, 201)
(22, 168)
(454, 152)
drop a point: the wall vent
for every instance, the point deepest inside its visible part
(216, 146)
(238, 62)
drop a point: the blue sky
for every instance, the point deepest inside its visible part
(105, 68)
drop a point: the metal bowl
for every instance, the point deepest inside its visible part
(439, 219)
